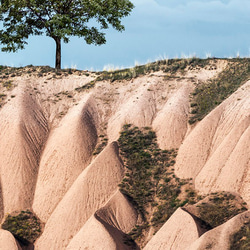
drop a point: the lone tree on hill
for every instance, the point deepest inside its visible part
(59, 19)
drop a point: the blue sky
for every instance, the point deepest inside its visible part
(155, 29)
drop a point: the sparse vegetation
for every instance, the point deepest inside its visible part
(8, 85)
(89, 85)
(220, 208)
(208, 95)
(171, 66)
(39, 71)
(25, 226)
(200, 106)
(137, 232)
(2, 99)
(241, 239)
(168, 66)
(101, 145)
(149, 182)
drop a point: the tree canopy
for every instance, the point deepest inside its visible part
(60, 20)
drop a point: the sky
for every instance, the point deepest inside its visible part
(155, 29)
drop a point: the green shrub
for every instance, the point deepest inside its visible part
(25, 226)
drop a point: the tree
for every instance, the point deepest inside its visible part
(60, 20)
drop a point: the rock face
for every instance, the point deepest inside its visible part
(93, 235)
(7, 241)
(217, 150)
(67, 152)
(143, 104)
(171, 122)
(220, 237)
(118, 213)
(51, 127)
(23, 133)
(92, 189)
(179, 232)
(107, 228)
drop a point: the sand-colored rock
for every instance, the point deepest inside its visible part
(98, 235)
(7, 241)
(179, 232)
(216, 153)
(55, 94)
(147, 98)
(119, 213)
(23, 132)
(93, 235)
(231, 171)
(193, 153)
(139, 110)
(171, 122)
(91, 190)
(67, 152)
(106, 230)
(219, 237)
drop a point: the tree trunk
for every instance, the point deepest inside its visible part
(58, 53)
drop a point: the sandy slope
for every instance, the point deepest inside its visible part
(107, 228)
(119, 213)
(68, 151)
(93, 187)
(7, 241)
(171, 122)
(151, 101)
(216, 144)
(96, 234)
(139, 109)
(93, 235)
(23, 132)
(219, 237)
(177, 233)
